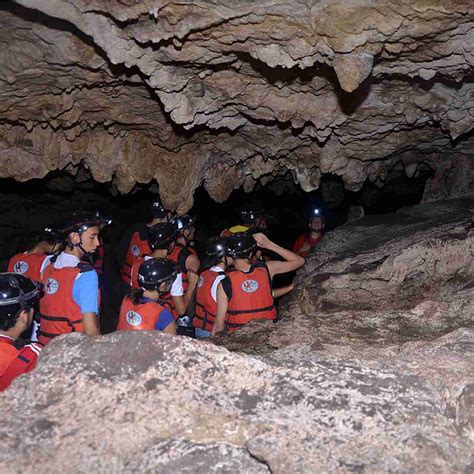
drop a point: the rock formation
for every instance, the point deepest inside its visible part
(368, 370)
(224, 93)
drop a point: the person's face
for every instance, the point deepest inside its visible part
(316, 224)
(90, 239)
(165, 287)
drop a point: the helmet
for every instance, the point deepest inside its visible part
(51, 234)
(17, 292)
(161, 235)
(158, 210)
(104, 218)
(216, 247)
(182, 222)
(155, 271)
(80, 222)
(240, 245)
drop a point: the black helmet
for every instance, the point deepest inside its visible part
(240, 245)
(104, 217)
(182, 222)
(158, 210)
(17, 292)
(51, 234)
(216, 247)
(155, 271)
(161, 235)
(80, 222)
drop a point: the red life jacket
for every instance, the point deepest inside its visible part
(59, 313)
(137, 248)
(179, 256)
(251, 297)
(139, 317)
(206, 307)
(28, 264)
(14, 360)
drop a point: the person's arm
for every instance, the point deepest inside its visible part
(222, 302)
(85, 293)
(170, 329)
(91, 324)
(275, 267)
(177, 294)
(192, 264)
(192, 282)
(283, 290)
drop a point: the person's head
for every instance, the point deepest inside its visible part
(240, 245)
(81, 232)
(316, 221)
(49, 240)
(185, 226)
(215, 252)
(162, 236)
(19, 297)
(155, 277)
(158, 211)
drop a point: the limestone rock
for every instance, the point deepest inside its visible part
(192, 95)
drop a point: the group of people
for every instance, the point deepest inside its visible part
(53, 289)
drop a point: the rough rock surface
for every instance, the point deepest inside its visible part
(227, 93)
(369, 370)
(383, 279)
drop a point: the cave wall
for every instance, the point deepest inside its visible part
(225, 94)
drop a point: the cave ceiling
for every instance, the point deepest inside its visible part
(227, 93)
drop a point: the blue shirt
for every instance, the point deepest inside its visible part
(85, 292)
(165, 319)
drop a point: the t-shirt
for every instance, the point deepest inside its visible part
(165, 319)
(301, 240)
(16, 358)
(85, 291)
(216, 282)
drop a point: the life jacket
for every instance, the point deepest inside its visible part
(137, 248)
(16, 357)
(179, 256)
(139, 317)
(28, 264)
(251, 296)
(166, 299)
(59, 313)
(206, 307)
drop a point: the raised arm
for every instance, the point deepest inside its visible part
(275, 267)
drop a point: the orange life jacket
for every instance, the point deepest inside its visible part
(137, 248)
(206, 307)
(28, 264)
(179, 256)
(251, 297)
(139, 317)
(16, 360)
(59, 313)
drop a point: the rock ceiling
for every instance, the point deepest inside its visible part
(225, 93)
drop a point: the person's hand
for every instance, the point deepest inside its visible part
(304, 248)
(263, 241)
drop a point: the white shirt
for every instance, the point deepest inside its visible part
(216, 281)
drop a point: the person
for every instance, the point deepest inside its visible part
(135, 240)
(183, 253)
(252, 216)
(206, 296)
(144, 308)
(246, 292)
(161, 241)
(71, 288)
(18, 300)
(32, 262)
(305, 242)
